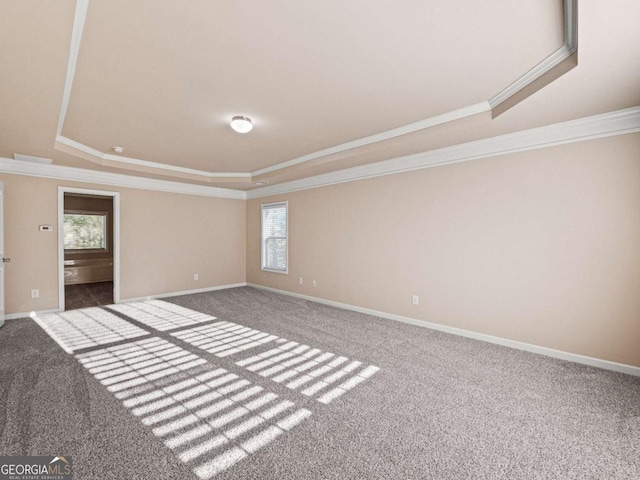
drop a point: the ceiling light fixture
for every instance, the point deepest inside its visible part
(118, 149)
(241, 124)
(260, 182)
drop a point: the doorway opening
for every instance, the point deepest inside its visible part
(87, 248)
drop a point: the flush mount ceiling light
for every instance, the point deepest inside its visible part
(117, 149)
(241, 124)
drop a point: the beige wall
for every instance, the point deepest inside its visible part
(541, 247)
(164, 239)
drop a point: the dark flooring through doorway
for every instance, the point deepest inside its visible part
(88, 295)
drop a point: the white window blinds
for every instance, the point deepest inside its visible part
(274, 237)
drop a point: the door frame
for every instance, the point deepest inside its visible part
(116, 239)
(2, 269)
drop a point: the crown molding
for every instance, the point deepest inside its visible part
(76, 36)
(512, 92)
(379, 137)
(571, 25)
(116, 160)
(604, 125)
(102, 158)
(174, 168)
(30, 158)
(552, 61)
(60, 172)
(108, 159)
(570, 47)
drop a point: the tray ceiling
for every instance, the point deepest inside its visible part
(326, 83)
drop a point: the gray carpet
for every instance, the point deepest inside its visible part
(152, 390)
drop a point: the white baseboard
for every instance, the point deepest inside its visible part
(13, 316)
(184, 292)
(549, 352)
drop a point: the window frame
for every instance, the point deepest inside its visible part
(75, 251)
(263, 250)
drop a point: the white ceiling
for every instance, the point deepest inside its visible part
(163, 78)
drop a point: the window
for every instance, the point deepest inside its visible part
(274, 237)
(85, 231)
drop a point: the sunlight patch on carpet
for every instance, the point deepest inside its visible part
(318, 374)
(209, 417)
(89, 327)
(224, 338)
(161, 315)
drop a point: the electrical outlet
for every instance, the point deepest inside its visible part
(35, 293)
(196, 276)
(314, 283)
(300, 280)
(415, 299)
